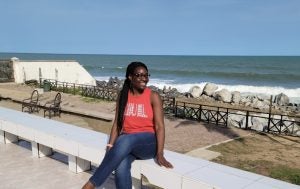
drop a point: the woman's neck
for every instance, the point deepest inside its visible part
(137, 92)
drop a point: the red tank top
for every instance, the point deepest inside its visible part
(138, 115)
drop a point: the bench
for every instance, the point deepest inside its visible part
(32, 103)
(53, 106)
(83, 147)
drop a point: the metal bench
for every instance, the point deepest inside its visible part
(53, 107)
(31, 104)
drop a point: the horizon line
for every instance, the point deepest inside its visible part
(121, 54)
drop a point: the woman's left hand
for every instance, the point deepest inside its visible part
(161, 160)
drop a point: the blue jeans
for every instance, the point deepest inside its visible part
(126, 149)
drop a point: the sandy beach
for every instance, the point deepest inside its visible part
(181, 135)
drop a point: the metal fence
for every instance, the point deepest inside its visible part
(269, 122)
(80, 89)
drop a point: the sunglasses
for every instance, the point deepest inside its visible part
(140, 75)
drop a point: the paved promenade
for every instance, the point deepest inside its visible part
(19, 170)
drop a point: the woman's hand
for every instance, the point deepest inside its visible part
(161, 160)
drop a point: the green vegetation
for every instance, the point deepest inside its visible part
(273, 156)
(286, 173)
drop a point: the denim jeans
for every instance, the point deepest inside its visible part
(126, 149)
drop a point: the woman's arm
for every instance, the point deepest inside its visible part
(159, 129)
(114, 131)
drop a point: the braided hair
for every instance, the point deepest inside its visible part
(123, 96)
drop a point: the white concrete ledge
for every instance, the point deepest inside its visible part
(83, 147)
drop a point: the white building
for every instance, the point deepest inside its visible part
(64, 71)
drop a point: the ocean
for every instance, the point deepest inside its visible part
(263, 75)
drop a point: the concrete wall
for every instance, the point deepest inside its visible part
(64, 71)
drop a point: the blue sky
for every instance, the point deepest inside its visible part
(167, 27)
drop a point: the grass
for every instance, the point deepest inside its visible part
(288, 174)
(273, 156)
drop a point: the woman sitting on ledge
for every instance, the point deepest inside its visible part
(138, 130)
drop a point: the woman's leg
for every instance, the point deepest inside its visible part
(111, 160)
(143, 148)
(122, 173)
(142, 144)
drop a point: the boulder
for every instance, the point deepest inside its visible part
(195, 91)
(236, 120)
(236, 97)
(281, 99)
(115, 83)
(209, 89)
(101, 84)
(166, 90)
(258, 104)
(207, 98)
(259, 124)
(188, 95)
(223, 95)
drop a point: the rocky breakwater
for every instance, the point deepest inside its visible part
(285, 115)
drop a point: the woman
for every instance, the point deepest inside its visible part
(138, 130)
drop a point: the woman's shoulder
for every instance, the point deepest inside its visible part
(152, 92)
(154, 96)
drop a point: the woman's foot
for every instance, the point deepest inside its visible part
(88, 185)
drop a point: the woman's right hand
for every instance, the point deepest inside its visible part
(161, 161)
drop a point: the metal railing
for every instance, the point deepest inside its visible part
(271, 122)
(80, 89)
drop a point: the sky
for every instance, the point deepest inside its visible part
(151, 27)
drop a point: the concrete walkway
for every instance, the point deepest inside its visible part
(19, 170)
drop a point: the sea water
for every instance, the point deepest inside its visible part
(263, 75)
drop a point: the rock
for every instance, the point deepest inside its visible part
(223, 95)
(115, 83)
(246, 100)
(195, 91)
(235, 120)
(166, 90)
(258, 104)
(281, 99)
(259, 124)
(101, 84)
(209, 89)
(206, 98)
(236, 97)
(188, 95)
